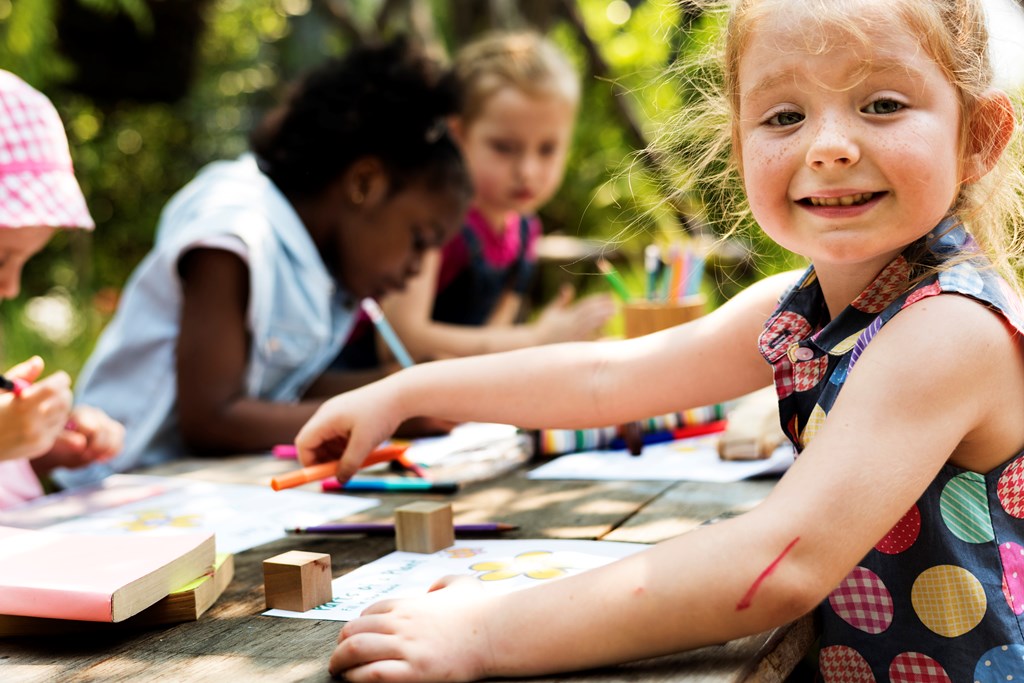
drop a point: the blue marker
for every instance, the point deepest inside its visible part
(396, 485)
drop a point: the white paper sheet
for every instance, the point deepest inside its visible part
(693, 459)
(242, 517)
(500, 565)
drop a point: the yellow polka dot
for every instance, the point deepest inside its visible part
(949, 600)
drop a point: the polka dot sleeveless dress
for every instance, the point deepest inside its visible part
(940, 598)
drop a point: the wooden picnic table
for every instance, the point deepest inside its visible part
(233, 642)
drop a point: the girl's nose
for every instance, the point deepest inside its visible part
(832, 146)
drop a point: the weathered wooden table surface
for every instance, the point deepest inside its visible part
(233, 643)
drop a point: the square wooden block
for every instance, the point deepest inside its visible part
(297, 580)
(424, 527)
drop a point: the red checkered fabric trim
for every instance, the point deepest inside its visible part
(889, 284)
(1010, 489)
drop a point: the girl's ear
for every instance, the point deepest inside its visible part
(366, 183)
(989, 134)
(456, 129)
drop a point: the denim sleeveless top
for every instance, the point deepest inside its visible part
(467, 298)
(471, 296)
(940, 597)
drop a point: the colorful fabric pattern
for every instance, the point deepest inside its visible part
(940, 598)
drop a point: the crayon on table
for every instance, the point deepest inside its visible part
(385, 529)
(391, 485)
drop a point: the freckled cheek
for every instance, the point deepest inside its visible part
(765, 183)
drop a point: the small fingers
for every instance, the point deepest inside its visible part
(28, 370)
(360, 649)
(380, 607)
(448, 580)
(387, 670)
(106, 442)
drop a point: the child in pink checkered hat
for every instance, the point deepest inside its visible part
(39, 428)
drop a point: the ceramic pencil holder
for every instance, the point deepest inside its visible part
(644, 317)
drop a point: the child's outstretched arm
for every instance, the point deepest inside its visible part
(880, 447)
(571, 385)
(214, 413)
(31, 421)
(410, 313)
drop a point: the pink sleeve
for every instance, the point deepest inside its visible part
(534, 233)
(18, 483)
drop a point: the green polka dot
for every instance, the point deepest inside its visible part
(964, 506)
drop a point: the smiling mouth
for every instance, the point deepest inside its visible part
(845, 200)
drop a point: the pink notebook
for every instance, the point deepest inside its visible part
(95, 578)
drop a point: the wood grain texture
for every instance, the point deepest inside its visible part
(233, 642)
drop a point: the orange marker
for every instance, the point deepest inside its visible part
(327, 469)
(413, 467)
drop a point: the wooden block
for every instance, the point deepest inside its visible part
(754, 431)
(297, 580)
(424, 527)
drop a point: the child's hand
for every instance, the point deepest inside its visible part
(441, 636)
(32, 421)
(88, 436)
(350, 425)
(565, 320)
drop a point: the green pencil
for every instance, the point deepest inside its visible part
(614, 280)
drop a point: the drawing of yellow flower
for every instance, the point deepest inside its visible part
(154, 519)
(539, 564)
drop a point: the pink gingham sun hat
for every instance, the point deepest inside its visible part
(37, 183)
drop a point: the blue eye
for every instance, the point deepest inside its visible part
(883, 106)
(785, 118)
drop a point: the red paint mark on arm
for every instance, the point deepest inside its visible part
(748, 597)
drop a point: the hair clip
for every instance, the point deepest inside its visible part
(436, 131)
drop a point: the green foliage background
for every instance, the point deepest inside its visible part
(131, 156)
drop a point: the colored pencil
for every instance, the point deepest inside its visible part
(390, 485)
(384, 529)
(618, 286)
(387, 332)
